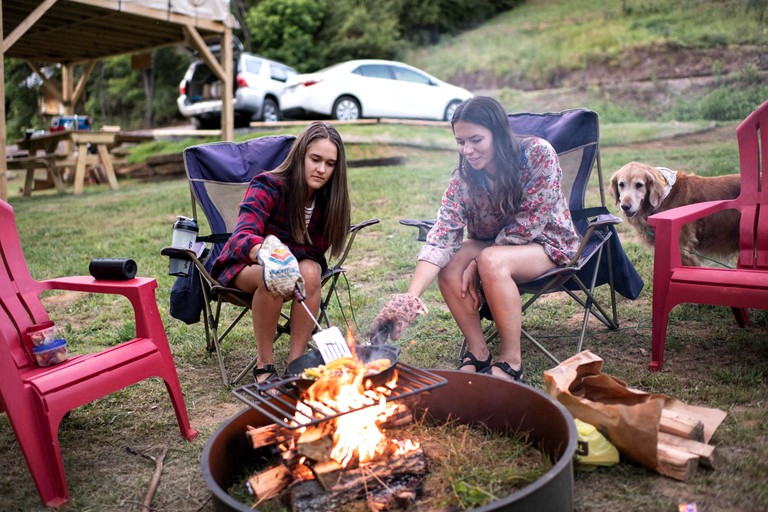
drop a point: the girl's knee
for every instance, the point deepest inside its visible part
(312, 274)
(449, 275)
(489, 261)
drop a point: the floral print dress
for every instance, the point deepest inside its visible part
(543, 216)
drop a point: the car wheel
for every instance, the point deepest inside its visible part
(346, 108)
(270, 113)
(450, 109)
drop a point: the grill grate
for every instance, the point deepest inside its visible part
(278, 400)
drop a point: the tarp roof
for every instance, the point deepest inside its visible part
(70, 32)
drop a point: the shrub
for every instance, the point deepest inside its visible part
(734, 99)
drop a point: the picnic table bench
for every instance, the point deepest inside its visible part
(44, 152)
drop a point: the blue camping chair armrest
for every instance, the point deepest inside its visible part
(423, 225)
(604, 220)
(179, 254)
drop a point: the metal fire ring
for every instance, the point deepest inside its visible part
(469, 398)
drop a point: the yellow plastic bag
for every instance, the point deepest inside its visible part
(593, 448)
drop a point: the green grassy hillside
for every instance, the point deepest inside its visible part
(629, 59)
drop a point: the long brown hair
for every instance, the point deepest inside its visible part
(488, 113)
(332, 199)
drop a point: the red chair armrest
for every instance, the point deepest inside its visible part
(130, 288)
(140, 291)
(677, 217)
(667, 225)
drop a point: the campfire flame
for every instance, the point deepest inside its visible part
(356, 434)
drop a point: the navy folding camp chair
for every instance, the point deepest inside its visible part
(219, 174)
(601, 260)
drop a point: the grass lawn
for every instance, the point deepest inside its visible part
(709, 361)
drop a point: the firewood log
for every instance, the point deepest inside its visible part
(675, 463)
(705, 451)
(681, 425)
(352, 484)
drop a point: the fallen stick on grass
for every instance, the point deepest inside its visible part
(146, 506)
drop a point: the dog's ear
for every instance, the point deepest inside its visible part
(613, 189)
(655, 188)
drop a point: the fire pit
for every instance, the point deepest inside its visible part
(501, 405)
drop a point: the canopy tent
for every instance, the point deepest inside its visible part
(81, 32)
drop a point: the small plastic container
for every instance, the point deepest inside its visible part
(42, 333)
(52, 353)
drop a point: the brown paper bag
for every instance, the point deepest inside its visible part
(628, 418)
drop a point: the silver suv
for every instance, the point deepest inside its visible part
(258, 83)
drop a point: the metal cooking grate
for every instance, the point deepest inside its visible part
(278, 399)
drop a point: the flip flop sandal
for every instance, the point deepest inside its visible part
(267, 374)
(471, 360)
(517, 375)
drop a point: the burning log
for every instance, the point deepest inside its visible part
(268, 483)
(335, 486)
(264, 436)
(402, 415)
(316, 443)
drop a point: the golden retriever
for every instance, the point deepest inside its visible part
(643, 190)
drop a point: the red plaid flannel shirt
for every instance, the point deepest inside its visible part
(262, 213)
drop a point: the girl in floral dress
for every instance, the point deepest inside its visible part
(506, 194)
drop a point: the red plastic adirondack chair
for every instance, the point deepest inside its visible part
(741, 288)
(36, 398)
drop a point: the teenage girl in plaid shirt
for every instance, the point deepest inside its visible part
(305, 204)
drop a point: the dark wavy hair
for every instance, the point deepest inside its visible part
(488, 113)
(332, 199)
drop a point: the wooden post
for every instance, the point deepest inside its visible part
(227, 109)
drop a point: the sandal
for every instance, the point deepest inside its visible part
(264, 375)
(471, 360)
(517, 375)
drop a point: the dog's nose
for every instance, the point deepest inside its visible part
(626, 207)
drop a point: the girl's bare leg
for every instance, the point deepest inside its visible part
(265, 311)
(500, 268)
(463, 308)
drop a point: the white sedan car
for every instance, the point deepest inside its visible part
(370, 88)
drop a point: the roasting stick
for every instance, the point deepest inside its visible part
(330, 342)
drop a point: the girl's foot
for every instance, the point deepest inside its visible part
(262, 375)
(469, 360)
(507, 372)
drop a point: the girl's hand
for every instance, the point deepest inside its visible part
(395, 317)
(470, 282)
(281, 269)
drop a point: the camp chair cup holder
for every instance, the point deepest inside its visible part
(185, 232)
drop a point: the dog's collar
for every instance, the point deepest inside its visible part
(668, 177)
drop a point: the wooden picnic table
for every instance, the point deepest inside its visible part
(44, 152)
